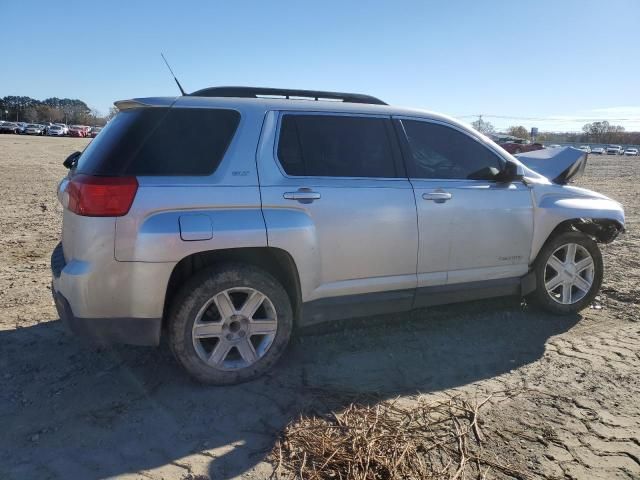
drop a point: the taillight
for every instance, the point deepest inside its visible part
(101, 196)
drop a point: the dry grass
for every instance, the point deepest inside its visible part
(424, 440)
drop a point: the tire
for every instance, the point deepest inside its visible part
(203, 301)
(517, 151)
(557, 300)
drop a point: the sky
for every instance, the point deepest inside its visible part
(552, 64)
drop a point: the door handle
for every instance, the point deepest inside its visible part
(438, 197)
(302, 195)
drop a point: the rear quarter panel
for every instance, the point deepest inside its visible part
(151, 231)
(230, 198)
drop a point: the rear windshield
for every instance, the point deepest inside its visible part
(161, 141)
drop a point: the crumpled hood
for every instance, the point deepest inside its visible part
(560, 165)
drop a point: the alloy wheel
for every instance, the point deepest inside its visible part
(235, 328)
(569, 273)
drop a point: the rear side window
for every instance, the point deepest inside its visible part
(335, 146)
(441, 152)
(161, 141)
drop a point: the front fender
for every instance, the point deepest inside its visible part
(554, 204)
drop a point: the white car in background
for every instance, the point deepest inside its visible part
(585, 148)
(56, 131)
(34, 129)
(65, 128)
(614, 150)
(598, 150)
(631, 152)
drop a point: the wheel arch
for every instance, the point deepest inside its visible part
(601, 230)
(275, 261)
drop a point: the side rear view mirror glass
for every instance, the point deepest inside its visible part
(72, 160)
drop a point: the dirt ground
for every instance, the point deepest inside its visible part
(70, 411)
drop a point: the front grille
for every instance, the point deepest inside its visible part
(57, 260)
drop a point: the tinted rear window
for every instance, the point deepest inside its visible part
(335, 146)
(161, 141)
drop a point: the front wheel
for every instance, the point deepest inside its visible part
(569, 273)
(230, 324)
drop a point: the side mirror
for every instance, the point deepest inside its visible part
(511, 172)
(72, 160)
(485, 173)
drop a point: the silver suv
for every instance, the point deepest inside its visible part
(223, 219)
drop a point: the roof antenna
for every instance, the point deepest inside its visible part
(173, 74)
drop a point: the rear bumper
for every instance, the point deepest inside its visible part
(99, 330)
(108, 331)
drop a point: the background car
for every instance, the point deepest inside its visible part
(55, 131)
(46, 126)
(77, 131)
(516, 145)
(585, 148)
(614, 150)
(34, 129)
(8, 127)
(598, 150)
(65, 128)
(631, 151)
(93, 133)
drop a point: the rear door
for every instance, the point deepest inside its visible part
(335, 195)
(475, 230)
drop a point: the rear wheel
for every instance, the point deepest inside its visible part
(230, 324)
(569, 273)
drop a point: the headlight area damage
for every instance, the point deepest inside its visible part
(601, 229)
(560, 165)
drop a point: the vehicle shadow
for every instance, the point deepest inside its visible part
(69, 411)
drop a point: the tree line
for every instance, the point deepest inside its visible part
(56, 110)
(596, 132)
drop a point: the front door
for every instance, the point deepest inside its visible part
(476, 230)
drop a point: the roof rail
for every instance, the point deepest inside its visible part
(257, 92)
